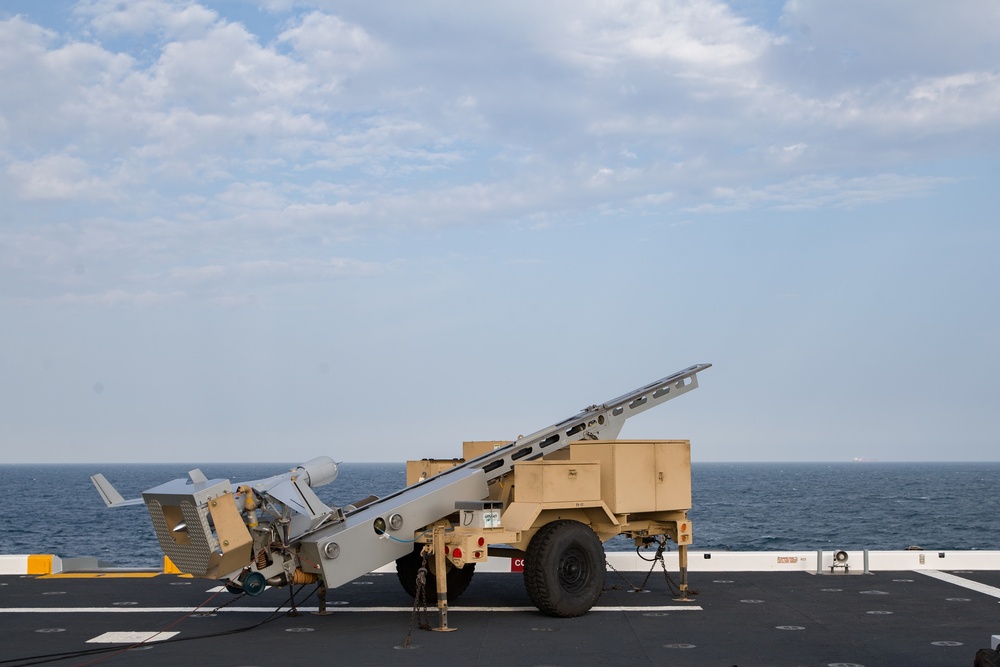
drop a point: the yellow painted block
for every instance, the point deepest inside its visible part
(169, 567)
(40, 564)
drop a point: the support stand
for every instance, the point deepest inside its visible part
(682, 558)
(321, 594)
(441, 574)
(291, 600)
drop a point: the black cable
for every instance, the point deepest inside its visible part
(55, 657)
(659, 552)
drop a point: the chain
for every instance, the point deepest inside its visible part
(621, 576)
(674, 588)
(641, 587)
(671, 585)
(670, 582)
(662, 544)
(419, 603)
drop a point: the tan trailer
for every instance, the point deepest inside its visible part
(556, 512)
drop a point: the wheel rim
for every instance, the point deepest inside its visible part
(574, 570)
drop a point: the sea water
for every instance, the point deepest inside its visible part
(736, 506)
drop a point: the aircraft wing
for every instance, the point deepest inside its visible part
(110, 494)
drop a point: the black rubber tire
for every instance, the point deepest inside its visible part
(458, 578)
(986, 657)
(564, 569)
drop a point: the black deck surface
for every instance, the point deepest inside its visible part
(738, 618)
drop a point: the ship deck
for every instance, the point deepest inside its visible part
(902, 617)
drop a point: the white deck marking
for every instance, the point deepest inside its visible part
(131, 637)
(268, 610)
(964, 583)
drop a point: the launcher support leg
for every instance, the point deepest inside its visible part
(321, 594)
(441, 575)
(294, 611)
(682, 559)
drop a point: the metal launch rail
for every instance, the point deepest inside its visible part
(352, 548)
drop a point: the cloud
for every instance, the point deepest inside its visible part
(271, 272)
(857, 42)
(821, 192)
(954, 103)
(223, 284)
(48, 87)
(116, 298)
(62, 177)
(171, 20)
(677, 81)
(683, 36)
(171, 128)
(329, 43)
(239, 192)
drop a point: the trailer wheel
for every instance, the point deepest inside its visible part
(458, 579)
(564, 568)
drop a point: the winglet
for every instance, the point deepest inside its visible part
(109, 494)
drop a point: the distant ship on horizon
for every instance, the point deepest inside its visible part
(863, 459)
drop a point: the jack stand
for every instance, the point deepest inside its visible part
(441, 574)
(682, 558)
(321, 594)
(293, 612)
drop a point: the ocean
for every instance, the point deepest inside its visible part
(736, 506)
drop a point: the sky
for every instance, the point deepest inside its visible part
(267, 230)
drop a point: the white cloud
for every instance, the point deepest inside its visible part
(355, 123)
(699, 35)
(174, 20)
(857, 41)
(62, 177)
(331, 44)
(48, 85)
(399, 193)
(272, 271)
(960, 101)
(815, 192)
(655, 199)
(116, 298)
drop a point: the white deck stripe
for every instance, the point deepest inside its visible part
(964, 583)
(131, 637)
(265, 610)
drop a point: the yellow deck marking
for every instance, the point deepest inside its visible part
(101, 575)
(39, 563)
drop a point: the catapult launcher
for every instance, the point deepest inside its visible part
(552, 498)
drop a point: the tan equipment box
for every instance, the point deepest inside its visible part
(638, 475)
(424, 468)
(557, 481)
(471, 449)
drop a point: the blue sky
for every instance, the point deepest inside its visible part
(270, 230)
